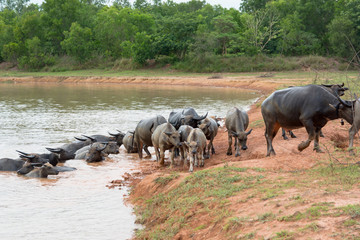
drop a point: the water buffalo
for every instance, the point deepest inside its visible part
(111, 148)
(67, 151)
(115, 137)
(95, 153)
(236, 123)
(196, 145)
(165, 137)
(42, 172)
(355, 123)
(129, 142)
(335, 89)
(144, 130)
(309, 106)
(184, 131)
(210, 128)
(187, 116)
(9, 164)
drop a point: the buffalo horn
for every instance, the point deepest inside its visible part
(54, 150)
(27, 156)
(23, 153)
(345, 103)
(36, 164)
(92, 139)
(80, 139)
(114, 134)
(105, 145)
(201, 118)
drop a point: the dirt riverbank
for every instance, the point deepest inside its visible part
(293, 195)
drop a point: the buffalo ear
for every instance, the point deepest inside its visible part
(235, 134)
(249, 132)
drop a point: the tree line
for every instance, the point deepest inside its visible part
(188, 34)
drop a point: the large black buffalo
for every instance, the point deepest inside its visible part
(336, 89)
(309, 106)
(187, 116)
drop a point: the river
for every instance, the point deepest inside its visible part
(78, 205)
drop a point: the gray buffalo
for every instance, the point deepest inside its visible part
(236, 123)
(67, 151)
(210, 128)
(165, 137)
(196, 145)
(309, 106)
(184, 131)
(111, 148)
(144, 130)
(114, 137)
(129, 142)
(187, 116)
(95, 153)
(355, 123)
(42, 172)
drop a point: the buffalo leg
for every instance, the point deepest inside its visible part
(237, 148)
(316, 141)
(147, 151)
(292, 135)
(311, 132)
(200, 156)
(162, 156)
(212, 147)
(191, 168)
(270, 133)
(140, 148)
(283, 134)
(229, 151)
(352, 131)
(207, 153)
(157, 153)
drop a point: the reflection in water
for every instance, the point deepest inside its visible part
(77, 204)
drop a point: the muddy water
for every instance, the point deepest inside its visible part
(77, 205)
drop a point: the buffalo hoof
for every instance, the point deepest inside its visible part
(303, 145)
(207, 156)
(237, 155)
(318, 150)
(229, 153)
(285, 137)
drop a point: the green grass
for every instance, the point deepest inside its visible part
(203, 191)
(166, 179)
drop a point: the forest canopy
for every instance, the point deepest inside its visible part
(194, 33)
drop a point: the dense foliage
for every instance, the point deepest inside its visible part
(185, 34)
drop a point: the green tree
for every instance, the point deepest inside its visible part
(113, 26)
(78, 42)
(16, 5)
(250, 6)
(11, 52)
(142, 48)
(57, 18)
(225, 31)
(293, 40)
